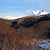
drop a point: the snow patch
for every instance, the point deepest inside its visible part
(12, 17)
(38, 12)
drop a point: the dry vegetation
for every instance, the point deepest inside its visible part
(22, 38)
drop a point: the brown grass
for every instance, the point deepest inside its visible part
(22, 38)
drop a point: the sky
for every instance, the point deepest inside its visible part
(22, 7)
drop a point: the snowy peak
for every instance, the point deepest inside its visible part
(34, 13)
(38, 12)
(12, 17)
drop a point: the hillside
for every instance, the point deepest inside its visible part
(23, 33)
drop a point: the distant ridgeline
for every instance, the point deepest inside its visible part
(29, 23)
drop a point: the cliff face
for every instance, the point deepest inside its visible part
(23, 34)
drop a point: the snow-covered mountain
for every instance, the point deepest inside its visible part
(34, 13)
(11, 17)
(39, 12)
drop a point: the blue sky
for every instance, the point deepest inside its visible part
(22, 7)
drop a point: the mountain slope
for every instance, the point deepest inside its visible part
(16, 35)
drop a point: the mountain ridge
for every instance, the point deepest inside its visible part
(15, 33)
